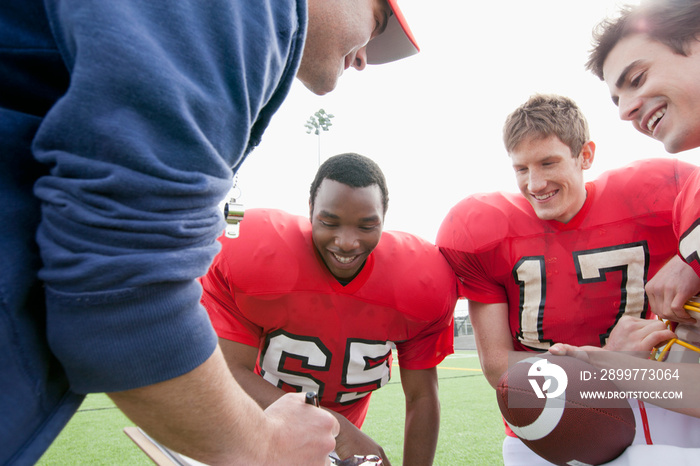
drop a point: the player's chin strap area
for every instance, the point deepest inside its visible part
(683, 332)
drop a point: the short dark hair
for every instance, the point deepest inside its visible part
(674, 23)
(545, 115)
(351, 169)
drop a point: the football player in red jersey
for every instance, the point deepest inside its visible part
(316, 305)
(649, 57)
(564, 260)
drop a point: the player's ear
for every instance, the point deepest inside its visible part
(587, 155)
(311, 210)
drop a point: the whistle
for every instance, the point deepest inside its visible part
(233, 214)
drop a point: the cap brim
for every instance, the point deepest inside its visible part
(395, 43)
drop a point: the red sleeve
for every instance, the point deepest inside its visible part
(218, 297)
(430, 347)
(469, 251)
(421, 297)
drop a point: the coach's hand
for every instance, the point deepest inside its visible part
(305, 433)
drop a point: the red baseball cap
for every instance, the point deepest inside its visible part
(395, 43)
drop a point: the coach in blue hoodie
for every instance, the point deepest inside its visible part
(120, 125)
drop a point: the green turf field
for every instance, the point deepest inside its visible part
(471, 429)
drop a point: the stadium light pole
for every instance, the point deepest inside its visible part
(319, 121)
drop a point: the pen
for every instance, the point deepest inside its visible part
(312, 399)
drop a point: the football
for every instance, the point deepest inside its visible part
(541, 399)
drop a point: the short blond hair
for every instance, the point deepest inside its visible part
(545, 115)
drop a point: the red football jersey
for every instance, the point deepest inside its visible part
(570, 282)
(686, 222)
(269, 288)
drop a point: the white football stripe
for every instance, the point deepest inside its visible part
(548, 419)
(546, 423)
(577, 463)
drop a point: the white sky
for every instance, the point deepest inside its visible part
(433, 121)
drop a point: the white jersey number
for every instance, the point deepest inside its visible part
(365, 365)
(689, 245)
(591, 266)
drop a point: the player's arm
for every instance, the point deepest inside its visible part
(420, 388)
(241, 360)
(670, 288)
(205, 415)
(493, 339)
(686, 382)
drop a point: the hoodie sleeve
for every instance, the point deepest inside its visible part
(165, 98)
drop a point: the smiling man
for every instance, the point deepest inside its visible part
(351, 33)
(649, 56)
(654, 88)
(564, 260)
(316, 305)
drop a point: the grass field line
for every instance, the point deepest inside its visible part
(470, 354)
(447, 368)
(459, 369)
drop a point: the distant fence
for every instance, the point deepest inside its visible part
(463, 325)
